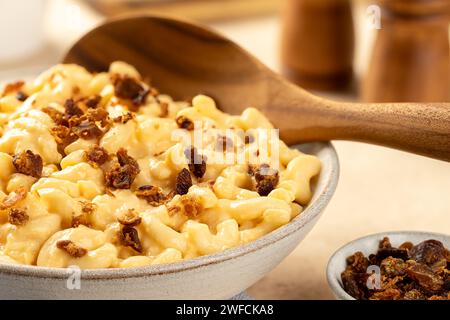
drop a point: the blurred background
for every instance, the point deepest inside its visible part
(380, 50)
(359, 49)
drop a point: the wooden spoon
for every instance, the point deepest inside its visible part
(184, 60)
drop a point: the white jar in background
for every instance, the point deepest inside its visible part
(21, 28)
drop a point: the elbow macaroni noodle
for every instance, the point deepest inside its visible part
(229, 210)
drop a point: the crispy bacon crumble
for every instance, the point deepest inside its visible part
(152, 194)
(190, 206)
(18, 217)
(72, 109)
(183, 182)
(87, 130)
(196, 162)
(87, 208)
(57, 116)
(71, 248)
(266, 178)
(130, 218)
(97, 155)
(129, 88)
(28, 163)
(130, 238)
(123, 172)
(93, 101)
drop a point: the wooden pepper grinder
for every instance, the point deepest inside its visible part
(318, 43)
(410, 59)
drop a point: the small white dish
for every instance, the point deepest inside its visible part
(218, 276)
(369, 245)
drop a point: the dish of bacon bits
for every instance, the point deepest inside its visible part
(409, 272)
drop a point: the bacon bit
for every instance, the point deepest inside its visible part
(184, 123)
(122, 173)
(98, 114)
(28, 163)
(21, 96)
(196, 162)
(249, 138)
(18, 217)
(72, 109)
(63, 137)
(266, 178)
(75, 123)
(93, 101)
(154, 195)
(164, 109)
(130, 218)
(224, 143)
(71, 248)
(120, 177)
(57, 116)
(129, 88)
(130, 238)
(183, 182)
(125, 159)
(12, 87)
(87, 130)
(124, 118)
(96, 155)
(61, 133)
(191, 207)
(87, 208)
(265, 186)
(13, 198)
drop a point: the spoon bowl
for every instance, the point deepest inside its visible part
(184, 60)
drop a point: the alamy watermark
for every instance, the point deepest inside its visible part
(374, 280)
(373, 17)
(230, 146)
(74, 279)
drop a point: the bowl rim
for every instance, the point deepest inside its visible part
(311, 211)
(334, 282)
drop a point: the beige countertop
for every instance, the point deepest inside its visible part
(379, 190)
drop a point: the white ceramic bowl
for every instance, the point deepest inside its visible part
(218, 276)
(369, 245)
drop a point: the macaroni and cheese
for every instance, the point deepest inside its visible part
(102, 171)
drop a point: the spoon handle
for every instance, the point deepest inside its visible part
(422, 128)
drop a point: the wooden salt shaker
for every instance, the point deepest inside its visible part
(318, 43)
(410, 59)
